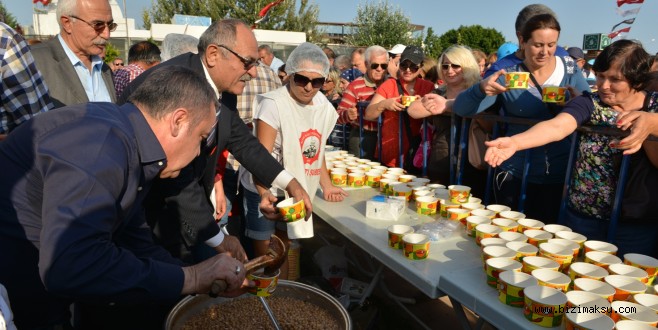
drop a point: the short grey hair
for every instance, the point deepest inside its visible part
(175, 44)
(65, 8)
(171, 87)
(375, 50)
(267, 48)
(222, 32)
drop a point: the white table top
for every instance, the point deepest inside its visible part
(446, 256)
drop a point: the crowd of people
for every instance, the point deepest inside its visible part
(118, 179)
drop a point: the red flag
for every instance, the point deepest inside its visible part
(613, 35)
(44, 2)
(265, 9)
(630, 2)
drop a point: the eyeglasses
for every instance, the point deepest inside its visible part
(453, 66)
(412, 67)
(99, 26)
(118, 64)
(302, 81)
(248, 62)
(374, 66)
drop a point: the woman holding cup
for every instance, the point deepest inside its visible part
(621, 75)
(293, 123)
(538, 41)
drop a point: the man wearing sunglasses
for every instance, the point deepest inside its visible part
(180, 211)
(71, 63)
(362, 89)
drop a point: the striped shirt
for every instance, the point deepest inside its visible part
(359, 90)
(23, 92)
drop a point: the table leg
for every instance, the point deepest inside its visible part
(459, 312)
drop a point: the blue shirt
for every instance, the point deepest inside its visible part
(71, 191)
(92, 82)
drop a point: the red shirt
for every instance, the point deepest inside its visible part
(390, 121)
(359, 90)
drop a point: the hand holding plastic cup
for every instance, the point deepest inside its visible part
(517, 80)
(291, 210)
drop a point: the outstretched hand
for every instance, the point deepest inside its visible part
(499, 150)
(434, 103)
(641, 125)
(490, 85)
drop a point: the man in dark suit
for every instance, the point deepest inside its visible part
(71, 63)
(179, 211)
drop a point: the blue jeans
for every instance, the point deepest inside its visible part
(629, 237)
(258, 227)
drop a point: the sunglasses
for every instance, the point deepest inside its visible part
(118, 64)
(99, 26)
(448, 66)
(302, 81)
(412, 67)
(374, 66)
(248, 62)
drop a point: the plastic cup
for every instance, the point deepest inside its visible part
(600, 246)
(630, 271)
(536, 237)
(339, 178)
(625, 310)
(496, 252)
(373, 178)
(445, 205)
(492, 241)
(402, 190)
(511, 285)
(624, 286)
(588, 321)
(458, 214)
(559, 253)
(459, 194)
(600, 288)
(632, 325)
(649, 264)
(532, 263)
(472, 206)
(472, 221)
(265, 285)
(552, 279)
(544, 306)
(497, 208)
(424, 181)
(585, 270)
(426, 205)
(525, 224)
(601, 259)
(522, 249)
(416, 246)
(554, 228)
(554, 94)
(571, 245)
(291, 210)
(586, 301)
(406, 100)
(505, 224)
(395, 234)
(356, 179)
(484, 213)
(495, 266)
(512, 236)
(512, 215)
(406, 178)
(646, 300)
(517, 80)
(485, 231)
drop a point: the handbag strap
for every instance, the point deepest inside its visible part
(405, 115)
(552, 108)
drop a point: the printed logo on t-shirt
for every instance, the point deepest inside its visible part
(309, 141)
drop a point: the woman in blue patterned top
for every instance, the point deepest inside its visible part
(622, 73)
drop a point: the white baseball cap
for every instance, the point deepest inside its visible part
(397, 49)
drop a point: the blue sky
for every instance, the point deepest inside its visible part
(576, 17)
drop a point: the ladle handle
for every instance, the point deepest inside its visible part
(268, 310)
(217, 287)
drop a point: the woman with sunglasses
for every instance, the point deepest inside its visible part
(387, 102)
(458, 69)
(293, 123)
(538, 41)
(331, 88)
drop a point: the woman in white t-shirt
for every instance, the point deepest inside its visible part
(293, 123)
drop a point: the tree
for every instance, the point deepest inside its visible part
(285, 16)
(9, 19)
(431, 44)
(475, 36)
(380, 24)
(111, 52)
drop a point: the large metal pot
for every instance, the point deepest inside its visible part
(192, 305)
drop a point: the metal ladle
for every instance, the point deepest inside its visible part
(268, 310)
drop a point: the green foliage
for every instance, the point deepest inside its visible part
(9, 18)
(431, 44)
(284, 17)
(475, 36)
(111, 52)
(380, 24)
